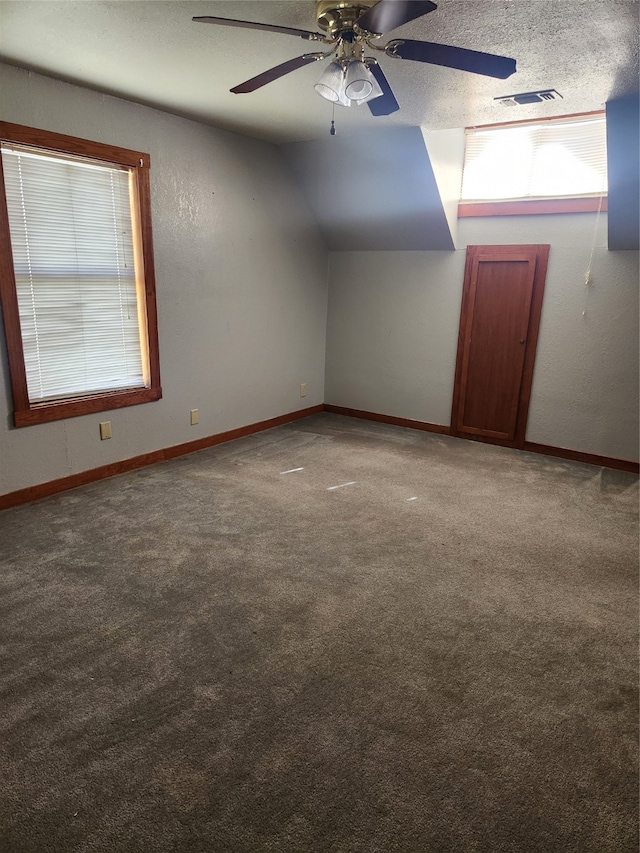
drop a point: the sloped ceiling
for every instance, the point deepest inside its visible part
(376, 190)
(623, 152)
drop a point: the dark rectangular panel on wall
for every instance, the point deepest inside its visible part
(623, 163)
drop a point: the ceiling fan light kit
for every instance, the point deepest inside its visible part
(348, 82)
(353, 78)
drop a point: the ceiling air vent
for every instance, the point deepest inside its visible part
(529, 97)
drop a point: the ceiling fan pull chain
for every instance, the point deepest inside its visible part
(332, 131)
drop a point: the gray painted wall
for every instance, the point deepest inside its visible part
(242, 302)
(241, 284)
(393, 323)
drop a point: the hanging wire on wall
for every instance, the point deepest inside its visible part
(588, 282)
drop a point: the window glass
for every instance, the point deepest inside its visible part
(73, 255)
(564, 158)
(79, 307)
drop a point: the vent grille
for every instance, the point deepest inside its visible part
(529, 97)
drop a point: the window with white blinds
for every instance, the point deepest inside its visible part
(77, 277)
(77, 283)
(558, 158)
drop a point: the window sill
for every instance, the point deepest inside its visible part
(535, 207)
(38, 413)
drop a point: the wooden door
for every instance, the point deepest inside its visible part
(501, 306)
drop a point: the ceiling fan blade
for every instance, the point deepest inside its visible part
(276, 72)
(386, 15)
(453, 57)
(386, 103)
(251, 25)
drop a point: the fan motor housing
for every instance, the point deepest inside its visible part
(338, 16)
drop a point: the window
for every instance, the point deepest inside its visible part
(557, 165)
(77, 283)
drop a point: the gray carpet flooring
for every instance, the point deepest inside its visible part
(332, 636)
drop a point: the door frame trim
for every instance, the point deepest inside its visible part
(540, 255)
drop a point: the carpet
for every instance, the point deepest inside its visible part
(335, 635)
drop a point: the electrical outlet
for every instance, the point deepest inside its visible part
(303, 389)
(195, 416)
(105, 430)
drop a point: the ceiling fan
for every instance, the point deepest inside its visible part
(351, 26)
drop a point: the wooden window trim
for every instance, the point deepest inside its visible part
(588, 114)
(533, 207)
(26, 412)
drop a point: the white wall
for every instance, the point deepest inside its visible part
(445, 149)
(241, 284)
(393, 323)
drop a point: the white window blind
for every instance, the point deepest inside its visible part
(73, 252)
(563, 158)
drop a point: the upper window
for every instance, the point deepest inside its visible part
(78, 296)
(557, 159)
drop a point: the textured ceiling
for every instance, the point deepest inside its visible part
(151, 52)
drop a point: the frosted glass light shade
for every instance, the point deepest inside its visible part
(375, 92)
(331, 84)
(358, 84)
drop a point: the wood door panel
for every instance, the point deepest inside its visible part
(494, 354)
(500, 315)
